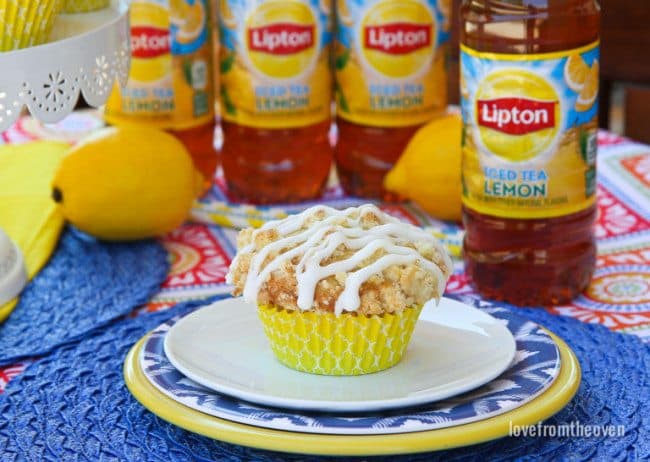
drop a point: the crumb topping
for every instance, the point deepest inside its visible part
(358, 259)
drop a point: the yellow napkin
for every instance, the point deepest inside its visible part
(27, 213)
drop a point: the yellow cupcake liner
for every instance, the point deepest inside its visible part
(348, 344)
(83, 6)
(25, 23)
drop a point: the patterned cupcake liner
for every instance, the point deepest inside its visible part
(347, 344)
(84, 6)
(25, 23)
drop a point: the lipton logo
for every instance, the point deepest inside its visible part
(397, 38)
(281, 38)
(149, 42)
(516, 116)
(517, 113)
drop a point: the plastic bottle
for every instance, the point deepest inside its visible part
(529, 89)
(275, 98)
(171, 83)
(391, 78)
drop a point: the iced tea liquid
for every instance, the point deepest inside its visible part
(275, 98)
(390, 79)
(276, 165)
(199, 141)
(365, 154)
(529, 86)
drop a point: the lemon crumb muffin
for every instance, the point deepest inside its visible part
(339, 288)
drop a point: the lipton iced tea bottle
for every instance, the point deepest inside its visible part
(529, 99)
(170, 82)
(390, 79)
(275, 98)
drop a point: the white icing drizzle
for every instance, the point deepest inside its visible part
(318, 241)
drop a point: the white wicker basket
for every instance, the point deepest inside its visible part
(87, 54)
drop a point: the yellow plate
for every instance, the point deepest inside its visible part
(541, 408)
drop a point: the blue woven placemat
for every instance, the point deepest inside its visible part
(73, 405)
(86, 284)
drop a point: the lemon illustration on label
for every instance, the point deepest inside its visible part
(446, 10)
(191, 20)
(464, 91)
(281, 39)
(575, 72)
(518, 114)
(325, 6)
(228, 19)
(175, 9)
(344, 13)
(356, 94)
(398, 38)
(589, 92)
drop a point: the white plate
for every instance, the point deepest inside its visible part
(455, 348)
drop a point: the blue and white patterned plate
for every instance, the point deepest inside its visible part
(533, 370)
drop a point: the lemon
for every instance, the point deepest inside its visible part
(354, 89)
(193, 23)
(177, 12)
(464, 89)
(241, 90)
(322, 83)
(325, 6)
(446, 10)
(589, 93)
(126, 183)
(575, 72)
(428, 172)
(344, 12)
(227, 17)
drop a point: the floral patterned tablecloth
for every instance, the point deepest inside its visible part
(201, 250)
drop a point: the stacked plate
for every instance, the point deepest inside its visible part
(468, 376)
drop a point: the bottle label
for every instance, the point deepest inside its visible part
(171, 78)
(390, 60)
(274, 67)
(529, 135)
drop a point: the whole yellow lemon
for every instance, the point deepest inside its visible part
(126, 183)
(429, 170)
